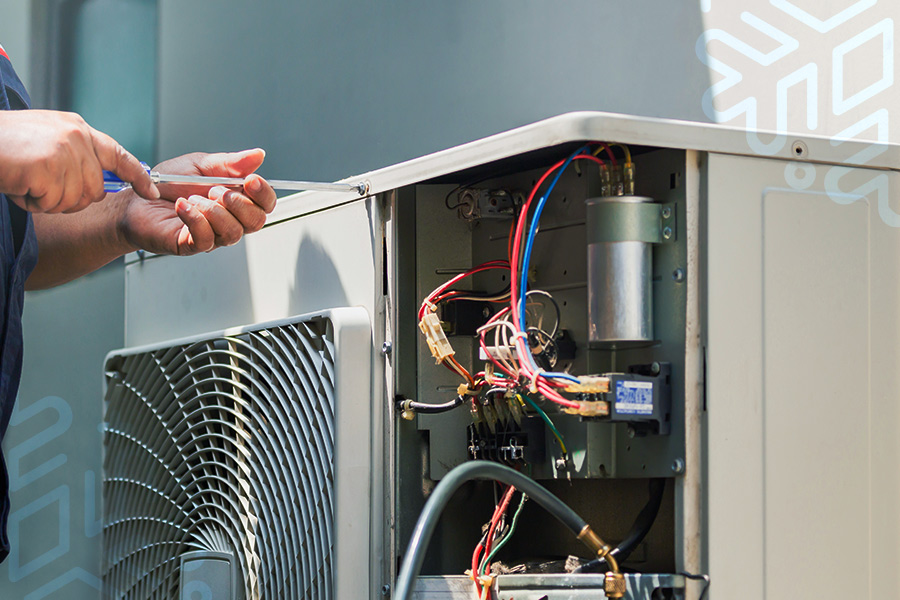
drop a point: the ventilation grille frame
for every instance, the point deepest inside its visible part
(235, 425)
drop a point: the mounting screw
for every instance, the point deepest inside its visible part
(666, 212)
(678, 466)
(386, 348)
(799, 149)
(386, 590)
(678, 275)
(667, 233)
(631, 432)
(654, 368)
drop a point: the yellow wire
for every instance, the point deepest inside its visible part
(551, 426)
(622, 146)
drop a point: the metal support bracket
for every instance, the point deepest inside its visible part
(648, 222)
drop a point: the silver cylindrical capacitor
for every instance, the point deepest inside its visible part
(620, 271)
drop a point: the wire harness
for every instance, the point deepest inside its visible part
(440, 497)
(523, 353)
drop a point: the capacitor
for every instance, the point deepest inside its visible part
(620, 270)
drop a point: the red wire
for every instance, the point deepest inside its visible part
(520, 227)
(501, 510)
(612, 157)
(485, 543)
(493, 264)
(475, 556)
(542, 385)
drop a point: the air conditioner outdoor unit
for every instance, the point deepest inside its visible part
(742, 308)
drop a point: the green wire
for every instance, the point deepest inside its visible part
(547, 420)
(512, 527)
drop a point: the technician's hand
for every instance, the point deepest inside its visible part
(52, 162)
(191, 219)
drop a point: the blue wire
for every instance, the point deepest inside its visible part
(526, 256)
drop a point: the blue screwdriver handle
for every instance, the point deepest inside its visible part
(112, 182)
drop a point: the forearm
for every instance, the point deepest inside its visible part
(72, 245)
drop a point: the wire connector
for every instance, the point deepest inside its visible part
(589, 384)
(628, 176)
(435, 337)
(593, 408)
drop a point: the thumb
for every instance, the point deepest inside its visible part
(232, 164)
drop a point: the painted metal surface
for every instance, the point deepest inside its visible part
(803, 330)
(587, 126)
(546, 587)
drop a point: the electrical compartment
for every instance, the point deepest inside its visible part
(582, 389)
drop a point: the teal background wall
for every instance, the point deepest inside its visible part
(335, 88)
(329, 89)
(53, 444)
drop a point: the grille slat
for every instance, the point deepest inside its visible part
(223, 445)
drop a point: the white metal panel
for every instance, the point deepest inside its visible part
(587, 126)
(803, 342)
(323, 261)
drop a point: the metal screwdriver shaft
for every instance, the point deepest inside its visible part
(278, 184)
(112, 183)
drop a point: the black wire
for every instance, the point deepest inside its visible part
(639, 530)
(459, 187)
(550, 355)
(447, 197)
(432, 409)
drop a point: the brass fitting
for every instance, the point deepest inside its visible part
(591, 540)
(614, 585)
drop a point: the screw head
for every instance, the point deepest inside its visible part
(631, 432)
(386, 348)
(386, 590)
(666, 212)
(667, 233)
(678, 466)
(560, 464)
(678, 275)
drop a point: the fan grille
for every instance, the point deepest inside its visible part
(223, 445)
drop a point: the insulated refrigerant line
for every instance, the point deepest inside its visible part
(112, 183)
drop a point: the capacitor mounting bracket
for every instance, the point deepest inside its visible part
(648, 222)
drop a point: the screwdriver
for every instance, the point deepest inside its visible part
(112, 183)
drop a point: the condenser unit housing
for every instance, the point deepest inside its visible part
(277, 421)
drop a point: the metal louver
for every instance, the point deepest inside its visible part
(226, 444)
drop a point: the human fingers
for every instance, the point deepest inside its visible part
(248, 213)
(259, 190)
(46, 188)
(113, 157)
(230, 164)
(72, 186)
(197, 235)
(227, 228)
